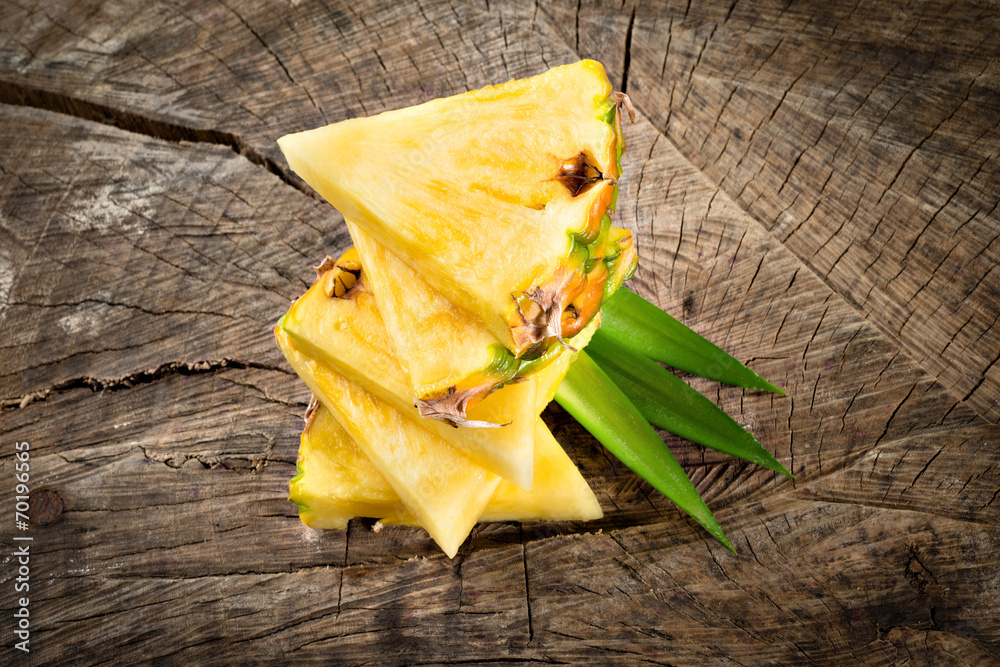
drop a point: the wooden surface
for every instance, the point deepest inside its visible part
(813, 186)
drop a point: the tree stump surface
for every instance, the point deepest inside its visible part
(812, 186)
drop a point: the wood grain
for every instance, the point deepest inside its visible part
(863, 136)
(150, 236)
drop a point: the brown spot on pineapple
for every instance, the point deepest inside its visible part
(578, 173)
(324, 266)
(622, 100)
(311, 411)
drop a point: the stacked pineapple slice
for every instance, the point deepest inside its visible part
(484, 251)
(498, 200)
(367, 452)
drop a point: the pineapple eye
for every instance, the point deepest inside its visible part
(340, 280)
(578, 174)
(341, 275)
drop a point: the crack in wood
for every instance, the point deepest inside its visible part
(256, 462)
(270, 51)
(16, 94)
(114, 304)
(527, 589)
(148, 376)
(628, 50)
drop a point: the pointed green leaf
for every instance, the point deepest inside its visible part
(668, 402)
(638, 325)
(592, 398)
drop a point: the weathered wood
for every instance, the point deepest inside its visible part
(127, 255)
(864, 136)
(143, 373)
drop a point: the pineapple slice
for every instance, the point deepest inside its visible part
(338, 323)
(336, 482)
(422, 323)
(553, 370)
(560, 492)
(445, 490)
(497, 197)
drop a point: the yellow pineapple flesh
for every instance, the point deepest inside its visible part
(347, 333)
(494, 196)
(445, 490)
(560, 493)
(452, 360)
(337, 482)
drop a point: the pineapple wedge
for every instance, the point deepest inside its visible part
(444, 490)
(560, 492)
(338, 323)
(337, 482)
(422, 324)
(497, 197)
(555, 364)
(452, 360)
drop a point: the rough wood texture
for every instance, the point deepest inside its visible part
(812, 188)
(864, 136)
